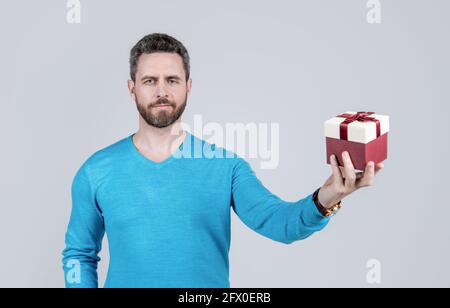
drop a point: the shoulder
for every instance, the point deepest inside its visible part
(105, 158)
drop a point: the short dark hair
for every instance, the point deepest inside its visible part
(158, 42)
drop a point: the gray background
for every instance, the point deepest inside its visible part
(63, 96)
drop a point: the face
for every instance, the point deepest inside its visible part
(160, 90)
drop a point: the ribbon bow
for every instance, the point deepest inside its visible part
(360, 116)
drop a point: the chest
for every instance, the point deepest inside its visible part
(162, 197)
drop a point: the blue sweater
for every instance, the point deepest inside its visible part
(168, 223)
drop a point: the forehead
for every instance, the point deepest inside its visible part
(160, 62)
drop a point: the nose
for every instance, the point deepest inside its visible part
(161, 91)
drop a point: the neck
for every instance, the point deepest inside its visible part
(159, 140)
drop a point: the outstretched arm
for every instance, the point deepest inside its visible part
(269, 215)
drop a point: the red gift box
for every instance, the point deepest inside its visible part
(363, 134)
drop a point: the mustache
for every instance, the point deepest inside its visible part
(162, 101)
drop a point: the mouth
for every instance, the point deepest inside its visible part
(161, 106)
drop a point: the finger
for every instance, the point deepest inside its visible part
(359, 175)
(337, 175)
(349, 171)
(369, 174)
(378, 167)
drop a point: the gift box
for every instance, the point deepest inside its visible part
(363, 134)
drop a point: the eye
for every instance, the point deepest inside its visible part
(148, 81)
(172, 81)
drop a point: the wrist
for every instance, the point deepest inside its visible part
(325, 202)
(325, 210)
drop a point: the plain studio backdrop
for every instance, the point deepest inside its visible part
(297, 63)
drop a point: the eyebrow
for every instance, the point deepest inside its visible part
(156, 78)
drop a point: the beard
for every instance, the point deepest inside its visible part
(164, 117)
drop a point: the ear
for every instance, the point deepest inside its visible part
(189, 85)
(131, 89)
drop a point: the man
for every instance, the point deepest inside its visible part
(166, 211)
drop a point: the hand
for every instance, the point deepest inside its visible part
(345, 180)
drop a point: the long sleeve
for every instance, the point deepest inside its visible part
(84, 235)
(269, 215)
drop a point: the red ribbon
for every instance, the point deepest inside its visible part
(360, 116)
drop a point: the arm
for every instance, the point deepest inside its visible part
(84, 235)
(269, 215)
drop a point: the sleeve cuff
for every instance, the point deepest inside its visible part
(312, 214)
